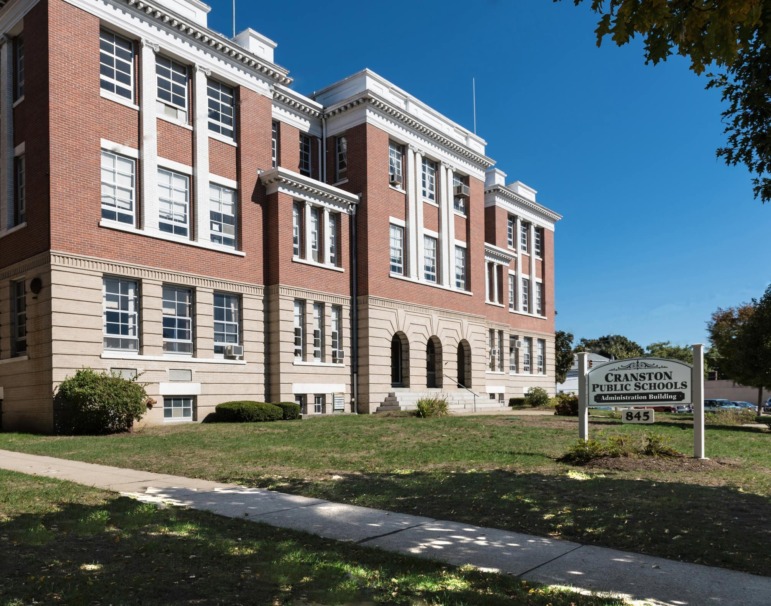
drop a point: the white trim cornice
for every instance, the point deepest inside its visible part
(495, 254)
(296, 101)
(512, 198)
(286, 181)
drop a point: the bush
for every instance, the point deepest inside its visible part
(291, 410)
(536, 396)
(248, 412)
(729, 417)
(97, 403)
(516, 402)
(650, 445)
(432, 407)
(567, 405)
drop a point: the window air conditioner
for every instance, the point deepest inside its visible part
(395, 179)
(461, 190)
(234, 351)
(518, 344)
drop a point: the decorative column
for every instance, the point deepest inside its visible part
(148, 146)
(324, 244)
(306, 232)
(445, 244)
(533, 283)
(6, 132)
(450, 232)
(418, 231)
(518, 246)
(201, 154)
(410, 242)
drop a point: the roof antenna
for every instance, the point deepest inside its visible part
(473, 99)
(234, 18)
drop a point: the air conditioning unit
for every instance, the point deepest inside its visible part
(518, 344)
(235, 352)
(395, 179)
(461, 190)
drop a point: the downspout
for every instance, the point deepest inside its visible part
(323, 151)
(354, 313)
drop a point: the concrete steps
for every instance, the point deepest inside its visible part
(458, 401)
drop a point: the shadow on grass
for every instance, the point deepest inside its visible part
(712, 525)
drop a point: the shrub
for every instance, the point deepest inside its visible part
(248, 412)
(583, 451)
(729, 417)
(291, 410)
(658, 446)
(536, 396)
(92, 402)
(516, 402)
(764, 419)
(434, 406)
(651, 445)
(567, 405)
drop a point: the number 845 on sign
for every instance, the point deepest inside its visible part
(637, 416)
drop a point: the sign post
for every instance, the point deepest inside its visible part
(583, 399)
(698, 401)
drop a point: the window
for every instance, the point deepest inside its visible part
(18, 68)
(395, 159)
(222, 109)
(341, 158)
(172, 87)
(539, 298)
(299, 329)
(121, 314)
(305, 155)
(526, 294)
(118, 187)
(116, 65)
(397, 250)
(513, 353)
(274, 145)
(511, 230)
(460, 268)
(337, 334)
(527, 355)
(318, 332)
(177, 409)
(524, 237)
(174, 202)
(18, 318)
(540, 356)
(301, 401)
(177, 320)
(459, 189)
(298, 220)
(512, 292)
(227, 321)
(429, 253)
(222, 215)
(538, 245)
(318, 403)
(495, 347)
(428, 179)
(316, 215)
(19, 190)
(333, 229)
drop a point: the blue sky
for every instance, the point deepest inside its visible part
(657, 233)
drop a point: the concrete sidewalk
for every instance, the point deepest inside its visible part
(635, 577)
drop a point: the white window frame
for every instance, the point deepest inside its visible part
(299, 329)
(341, 158)
(540, 357)
(461, 267)
(319, 336)
(428, 180)
(306, 155)
(18, 68)
(172, 93)
(511, 230)
(319, 403)
(512, 292)
(538, 244)
(396, 243)
(221, 108)
(274, 144)
(118, 188)
(527, 356)
(459, 202)
(18, 318)
(525, 294)
(173, 202)
(184, 405)
(298, 222)
(539, 298)
(513, 354)
(177, 307)
(336, 334)
(333, 237)
(116, 61)
(227, 321)
(223, 216)
(396, 162)
(120, 299)
(316, 233)
(524, 237)
(430, 261)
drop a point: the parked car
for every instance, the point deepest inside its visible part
(683, 408)
(747, 405)
(719, 404)
(767, 407)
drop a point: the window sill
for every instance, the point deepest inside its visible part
(431, 284)
(222, 138)
(318, 364)
(127, 355)
(118, 99)
(17, 102)
(174, 121)
(23, 358)
(340, 182)
(494, 303)
(459, 213)
(399, 189)
(528, 315)
(10, 230)
(319, 265)
(159, 235)
(431, 202)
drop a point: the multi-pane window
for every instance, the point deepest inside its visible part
(177, 320)
(397, 249)
(341, 158)
(538, 244)
(18, 68)
(337, 334)
(19, 190)
(173, 202)
(172, 87)
(540, 356)
(299, 329)
(118, 187)
(305, 155)
(274, 145)
(539, 298)
(526, 294)
(116, 65)
(524, 237)
(512, 292)
(318, 403)
(318, 332)
(495, 347)
(460, 268)
(459, 189)
(222, 108)
(527, 355)
(301, 401)
(121, 314)
(513, 353)
(429, 258)
(18, 318)
(177, 409)
(222, 215)
(227, 321)
(316, 216)
(511, 230)
(333, 234)
(428, 180)
(298, 219)
(395, 168)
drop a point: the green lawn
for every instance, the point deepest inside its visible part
(61, 543)
(492, 471)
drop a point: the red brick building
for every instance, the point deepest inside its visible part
(170, 208)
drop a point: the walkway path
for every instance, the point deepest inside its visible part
(635, 577)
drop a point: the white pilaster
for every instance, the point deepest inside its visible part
(324, 256)
(518, 245)
(6, 133)
(450, 227)
(149, 143)
(418, 232)
(306, 236)
(531, 242)
(201, 155)
(410, 242)
(445, 213)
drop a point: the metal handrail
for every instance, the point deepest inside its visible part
(459, 384)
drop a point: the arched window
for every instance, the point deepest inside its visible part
(464, 364)
(400, 365)
(434, 362)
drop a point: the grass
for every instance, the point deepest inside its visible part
(65, 543)
(492, 471)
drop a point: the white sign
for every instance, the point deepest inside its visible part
(636, 381)
(637, 416)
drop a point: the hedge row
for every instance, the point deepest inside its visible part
(254, 412)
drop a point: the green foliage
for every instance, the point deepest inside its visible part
(665, 349)
(730, 418)
(247, 412)
(650, 445)
(95, 403)
(432, 406)
(583, 452)
(291, 410)
(536, 396)
(658, 446)
(516, 402)
(615, 347)
(566, 405)
(563, 354)
(765, 419)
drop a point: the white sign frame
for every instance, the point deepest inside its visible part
(639, 382)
